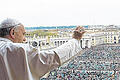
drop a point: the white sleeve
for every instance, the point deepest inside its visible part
(68, 49)
(40, 62)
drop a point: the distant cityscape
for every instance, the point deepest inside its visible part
(58, 35)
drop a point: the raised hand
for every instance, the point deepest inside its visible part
(78, 33)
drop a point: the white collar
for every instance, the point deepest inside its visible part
(5, 39)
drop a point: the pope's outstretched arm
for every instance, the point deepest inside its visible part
(72, 47)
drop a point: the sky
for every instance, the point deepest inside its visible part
(61, 12)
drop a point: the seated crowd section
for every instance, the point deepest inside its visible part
(101, 62)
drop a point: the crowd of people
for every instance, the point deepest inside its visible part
(97, 63)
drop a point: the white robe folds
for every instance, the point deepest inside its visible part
(20, 61)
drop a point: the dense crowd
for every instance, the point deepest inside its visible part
(97, 63)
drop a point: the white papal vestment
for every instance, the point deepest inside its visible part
(20, 61)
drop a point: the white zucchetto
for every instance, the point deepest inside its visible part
(9, 23)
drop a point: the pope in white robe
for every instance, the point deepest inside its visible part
(20, 61)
